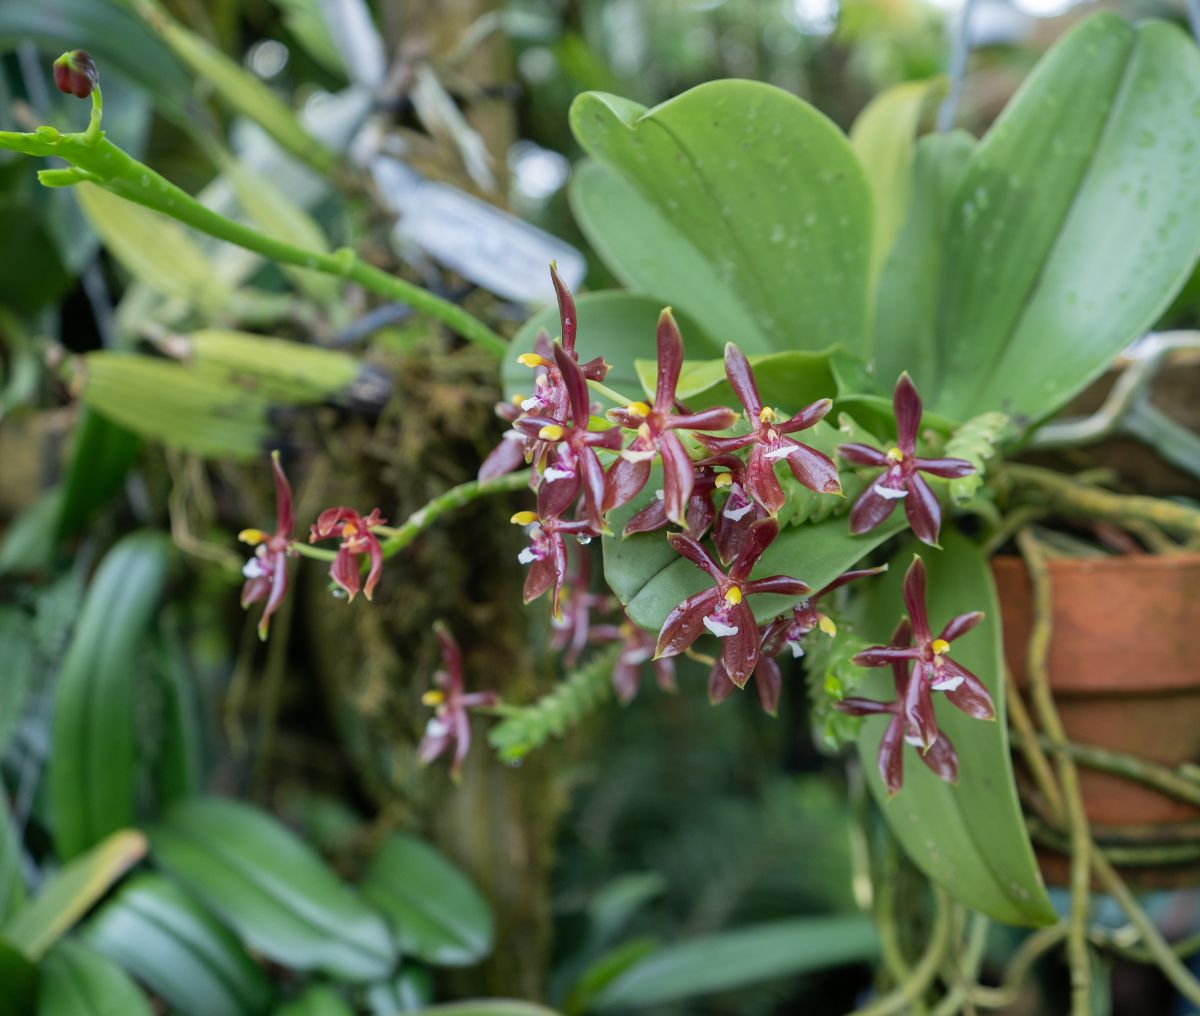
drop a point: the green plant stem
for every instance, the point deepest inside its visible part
(1164, 957)
(924, 972)
(608, 393)
(1105, 938)
(968, 968)
(97, 160)
(454, 498)
(1070, 495)
(885, 921)
(1068, 777)
(1030, 950)
(1102, 760)
(1136, 855)
(1027, 741)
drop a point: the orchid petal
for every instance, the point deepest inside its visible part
(918, 709)
(923, 511)
(958, 626)
(678, 477)
(815, 470)
(761, 482)
(697, 554)
(739, 652)
(759, 537)
(949, 469)
(719, 685)
(906, 404)
(741, 379)
(869, 511)
(807, 417)
(942, 759)
(685, 623)
(670, 361)
(863, 455)
(891, 756)
(566, 310)
(914, 600)
(769, 682)
(717, 418)
(971, 696)
(624, 482)
(576, 385)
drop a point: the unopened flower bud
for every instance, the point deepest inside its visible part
(75, 74)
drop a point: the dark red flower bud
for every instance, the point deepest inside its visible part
(75, 74)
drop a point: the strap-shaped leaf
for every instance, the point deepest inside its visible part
(761, 186)
(71, 892)
(1076, 222)
(75, 981)
(969, 837)
(271, 888)
(730, 959)
(154, 930)
(435, 911)
(92, 784)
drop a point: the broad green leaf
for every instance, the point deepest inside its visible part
(165, 939)
(786, 381)
(648, 254)
(605, 969)
(409, 991)
(1076, 222)
(154, 249)
(319, 1000)
(908, 289)
(762, 186)
(19, 978)
(75, 981)
(618, 326)
(12, 886)
(205, 411)
(883, 137)
(17, 650)
(435, 911)
(71, 892)
(103, 455)
(276, 369)
(92, 782)
(272, 889)
(731, 959)
(969, 837)
(178, 772)
(305, 19)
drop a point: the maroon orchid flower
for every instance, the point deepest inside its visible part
(933, 670)
(723, 609)
(655, 426)
(450, 721)
(901, 478)
(573, 464)
(790, 631)
(266, 572)
(513, 448)
(637, 649)
(769, 443)
(768, 681)
(940, 757)
(573, 630)
(354, 531)
(700, 508)
(546, 554)
(594, 369)
(739, 512)
(75, 74)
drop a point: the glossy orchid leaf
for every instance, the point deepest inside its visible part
(75, 981)
(762, 187)
(968, 837)
(618, 326)
(1075, 223)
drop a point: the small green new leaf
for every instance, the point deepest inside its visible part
(976, 441)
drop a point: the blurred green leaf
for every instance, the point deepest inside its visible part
(165, 939)
(409, 991)
(305, 19)
(276, 369)
(19, 978)
(605, 969)
(12, 885)
(435, 911)
(75, 981)
(730, 959)
(272, 889)
(618, 326)
(204, 411)
(763, 187)
(92, 783)
(178, 770)
(34, 274)
(319, 1000)
(17, 650)
(487, 1007)
(71, 892)
(29, 542)
(1076, 222)
(968, 837)
(102, 456)
(883, 136)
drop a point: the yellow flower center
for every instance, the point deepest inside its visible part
(551, 432)
(734, 595)
(895, 455)
(644, 432)
(638, 409)
(524, 518)
(533, 360)
(825, 623)
(253, 537)
(765, 414)
(723, 480)
(940, 647)
(433, 698)
(349, 530)
(518, 399)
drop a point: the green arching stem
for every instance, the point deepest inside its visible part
(93, 132)
(608, 393)
(924, 972)
(95, 159)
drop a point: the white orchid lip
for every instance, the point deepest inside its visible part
(528, 556)
(737, 513)
(782, 451)
(891, 493)
(253, 569)
(554, 473)
(720, 628)
(914, 740)
(948, 683)
(634, 455)
(797, 648)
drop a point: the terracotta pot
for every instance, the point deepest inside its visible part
(1124, 669)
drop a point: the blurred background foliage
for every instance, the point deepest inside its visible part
(657, 823)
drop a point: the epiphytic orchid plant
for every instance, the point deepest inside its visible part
(893, 329)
